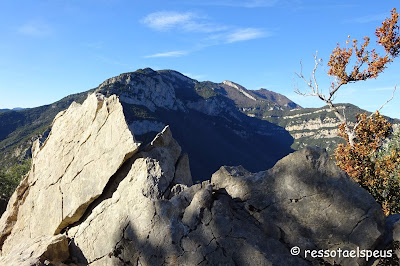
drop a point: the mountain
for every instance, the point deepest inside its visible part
(215, 123)
(96, 196)
(13, 109)
(311, 126)
(204, 115)
(18, 129)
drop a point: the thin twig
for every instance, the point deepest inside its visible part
(391, 98)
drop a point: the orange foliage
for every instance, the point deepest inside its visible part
(377, 174)
(368, 63)
(361, 157)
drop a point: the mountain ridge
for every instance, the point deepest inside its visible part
(153, 99)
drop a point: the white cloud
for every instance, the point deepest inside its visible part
(368, 19)
(190, 22)
(250, 3)
(218, 39)
(245, 35)
(236, 35)
(194, 76)
(35, 28)
(259, 3)
(168, 54)
(165, 20)
(239, 3)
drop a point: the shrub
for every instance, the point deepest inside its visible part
(373, 162)
(10, 178)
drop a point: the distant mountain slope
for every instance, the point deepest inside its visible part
(204, 117)
(216, 123)
(13, 109)
(262, 99)
(18, 129)
(311, 126)
(277, 98)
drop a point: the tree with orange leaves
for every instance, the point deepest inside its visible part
(368, 64)
(363, 155)
(370, 163)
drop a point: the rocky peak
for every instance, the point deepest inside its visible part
(146, 71)
(144, 87)
(172, 90)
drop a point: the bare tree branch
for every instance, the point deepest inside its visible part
(314, 70)
(391, 98)
(314, 87)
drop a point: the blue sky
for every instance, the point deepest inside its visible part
(50, 49)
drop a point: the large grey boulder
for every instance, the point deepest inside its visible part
(240, 218)
(390, 241)
(312, 202)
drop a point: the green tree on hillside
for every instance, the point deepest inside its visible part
(10, 178)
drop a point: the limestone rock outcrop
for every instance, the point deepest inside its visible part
(87, 144)
(118, 204)
(310, 200)
(41, 250)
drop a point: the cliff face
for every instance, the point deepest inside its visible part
(312, 126)
(315, 126)
(96, 196)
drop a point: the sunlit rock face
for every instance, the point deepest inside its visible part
(88, 143)
(114, 202)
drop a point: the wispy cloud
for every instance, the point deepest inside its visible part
(368, 19)
(227, 37)
(194, 76)
(168, 54)
(257, 3)
(236, 35)
(187, 21)
(35, 28)
(165, 20)
(246, 34)
(211, 34)
(239, 3)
